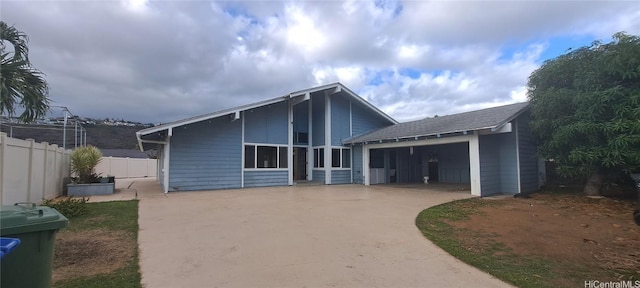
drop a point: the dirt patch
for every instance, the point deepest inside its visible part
(89, 253)
(571, 229)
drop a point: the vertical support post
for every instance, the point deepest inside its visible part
(474, 164)
(167, 155)
(75, 136)
(44, 167)
(30, 169)
(242, 152)
(365, 165)
(515, 127)
(327, 137)
(3, 152)
(64, 131)
(290, 142)
(310, 138)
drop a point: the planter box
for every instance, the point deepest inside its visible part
(90, 189)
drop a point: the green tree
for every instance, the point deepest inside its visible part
(586, 110)
(20, 83)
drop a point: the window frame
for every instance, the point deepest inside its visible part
(279, 149)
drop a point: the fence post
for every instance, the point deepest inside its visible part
(3, 148)
(30, 169)
(44, 168)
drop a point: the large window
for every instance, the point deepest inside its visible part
(341, 158)
(318, 157)
(262, 156)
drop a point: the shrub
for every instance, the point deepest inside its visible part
(69, 207)
(83, 163)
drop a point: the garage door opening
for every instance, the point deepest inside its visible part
(444, 163)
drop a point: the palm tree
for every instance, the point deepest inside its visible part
(20, 83)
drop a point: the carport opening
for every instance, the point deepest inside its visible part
(445, 163)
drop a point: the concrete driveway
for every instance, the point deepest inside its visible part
(314, 236)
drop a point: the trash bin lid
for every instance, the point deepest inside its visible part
(18, 219)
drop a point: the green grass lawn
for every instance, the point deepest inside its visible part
(119, 218)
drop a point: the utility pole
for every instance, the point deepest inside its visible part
(64, 132)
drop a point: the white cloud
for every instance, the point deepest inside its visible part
(156, 61)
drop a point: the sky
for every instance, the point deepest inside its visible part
(161, 61)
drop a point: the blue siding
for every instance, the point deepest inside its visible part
(161, 165)
(498, 170)
(508, 163)
(300, 119)
(340, 120)
(365, 120)
(318, 176)
(206, 155)
(267, 124)
(266, 178)
(489, 165)
(453, 162)
(317, 119)
(528, 158)
(358, 172)
(340, 176)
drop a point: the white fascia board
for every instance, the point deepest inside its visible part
(423, 142)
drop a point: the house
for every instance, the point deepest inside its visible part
(296, 137)
(330, 135)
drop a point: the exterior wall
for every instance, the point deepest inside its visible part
(498, 164)
(266, 178)
(453, 162)
(267, 124)
(31, 171)
(365, 120)
(528, 158)
(317, 120)
(318, 176)
(340, 119)
(489, 164)
(127, 167)
(356, 167)
(341, 176)
(206, 155)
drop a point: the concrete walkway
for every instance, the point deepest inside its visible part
(316, 236)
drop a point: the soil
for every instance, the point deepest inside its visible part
(571, 229)
(88, 253)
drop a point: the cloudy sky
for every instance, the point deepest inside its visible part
(159, 61)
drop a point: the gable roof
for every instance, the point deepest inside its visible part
(337, 87)
(490, 118)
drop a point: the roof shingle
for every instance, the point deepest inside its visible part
(468, 121)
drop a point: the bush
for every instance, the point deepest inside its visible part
(69, 207)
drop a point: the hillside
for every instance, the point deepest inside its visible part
(101, 136)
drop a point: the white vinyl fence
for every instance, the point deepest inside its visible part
(127, 167)
(31, 171)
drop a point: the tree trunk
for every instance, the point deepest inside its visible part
(594, 184)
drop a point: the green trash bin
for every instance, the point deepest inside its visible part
(31, 263)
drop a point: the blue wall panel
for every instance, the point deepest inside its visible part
(340, 119)
(318, 176)
(365, 120)
(528, 158)
(508, 163)
(340, 176)
(489, 164)
(318, 119)
(266, 178)
(358, 172)
(267, 124)
(453, 162)
(206, 155)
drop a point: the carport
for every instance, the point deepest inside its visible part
(491, 150)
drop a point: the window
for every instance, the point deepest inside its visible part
(335, 158)
(249, 156)
(265, 156)
(283, 157)
(301, 138)
(346, 158)
(318, 157)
